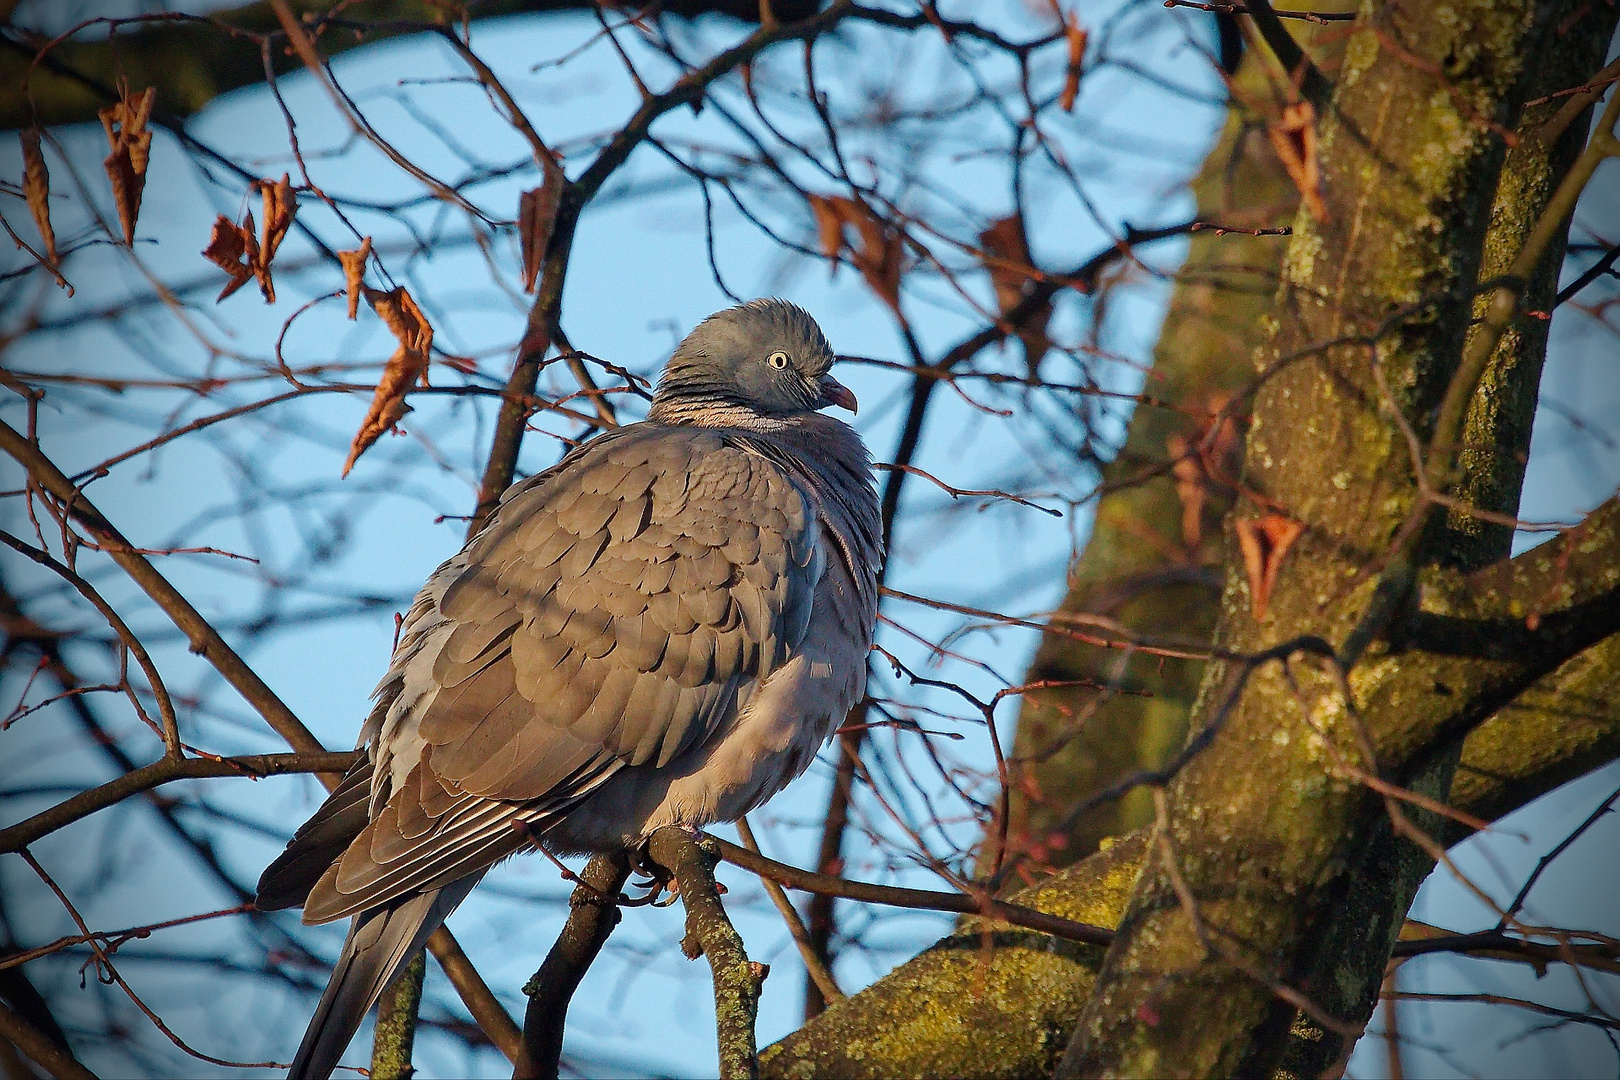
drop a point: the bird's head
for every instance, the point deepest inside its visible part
(766, 356)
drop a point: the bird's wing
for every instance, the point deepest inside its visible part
(609, 615)
(318, 842)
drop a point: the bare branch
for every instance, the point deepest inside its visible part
(593, 912)
(709, 932)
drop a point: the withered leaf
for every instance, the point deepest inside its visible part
(1204, 462)
(1006, 257)
(829, 226)
(537, 214)
(124, 121)
(388, 405)
(280, 207)
(354, 273)
(1294, 136)
(1264, 542)
(37, 190)
(407, 366)
(1076, 35)
(882, 245)
(405, 320)
(229, 247)
(1191, 488)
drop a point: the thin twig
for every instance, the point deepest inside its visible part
(796, 929)
(916, 899)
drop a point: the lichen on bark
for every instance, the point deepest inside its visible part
(1411, 155)
(1152, 559)
(985, 1001)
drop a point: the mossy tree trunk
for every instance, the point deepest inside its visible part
(1153, 560)
(1293, 881)
(1424, 199)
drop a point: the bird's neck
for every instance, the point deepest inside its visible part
(717, 413)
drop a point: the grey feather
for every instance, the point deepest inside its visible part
(660, 629)
(379, 943)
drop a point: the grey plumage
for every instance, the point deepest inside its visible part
(659, 630)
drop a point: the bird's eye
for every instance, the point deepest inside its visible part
(777, 360)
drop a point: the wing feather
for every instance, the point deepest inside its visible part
(612, 613)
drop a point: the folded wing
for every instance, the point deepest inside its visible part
(614, 612)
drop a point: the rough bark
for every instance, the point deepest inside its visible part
(995, 1002)
(690, 862)
(1410, 160)
(1347, 975)
(593, 912)
(1563, 727)
(1560, 728)
(394, 1037)
(1147, 563)
(191, 62)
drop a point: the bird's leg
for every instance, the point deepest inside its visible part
(657, 877)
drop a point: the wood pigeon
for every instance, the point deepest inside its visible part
(659, 630)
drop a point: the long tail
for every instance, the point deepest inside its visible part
(379, 944)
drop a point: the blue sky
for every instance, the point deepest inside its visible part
(267, 487)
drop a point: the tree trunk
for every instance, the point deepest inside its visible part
(1291, 884)
(999, 1015)
(1153, 559)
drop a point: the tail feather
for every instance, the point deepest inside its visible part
(379, 944)
(318, 843)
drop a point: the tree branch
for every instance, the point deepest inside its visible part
(193, 60)
(821, 978)
(204, 639)
(1562, 727)
(25, 1037)
(737, 980)
(593, 912)
(20, 835)
(394, 1036)
(1313, 85)
(918, 899)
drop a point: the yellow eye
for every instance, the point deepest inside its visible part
(777, 360)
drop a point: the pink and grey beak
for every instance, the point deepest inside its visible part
(836, 393)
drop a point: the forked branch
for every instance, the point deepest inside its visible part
(737, 980)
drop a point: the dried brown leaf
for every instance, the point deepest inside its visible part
(1006, 257)
(405, 320)
(280, 207)
(407, 366)
(1076, 35)
(1204, 462)
(1192, 488)
(1264, 542)
(354, 273)
(124, 121)
(37, 190)
(228, 248)
(388, 405)
(829, 225)
(537, 215)
(878, 257)
(1294, 136)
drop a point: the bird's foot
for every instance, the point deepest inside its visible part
(657, 879)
